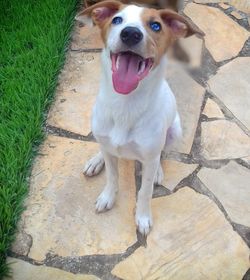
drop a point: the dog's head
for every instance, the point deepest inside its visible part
(136, 38)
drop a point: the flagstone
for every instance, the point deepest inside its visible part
(242, 5)
(246, 160)
(175, 171)
(236, 15)
(60, 209)
(216, 25)
(193, 48)
(212, 110)
(222, 5)
(191, 239)
(22, 270)
(230, 184)
(76, 93)
(223, 139)
(189, 95)
(234, 92)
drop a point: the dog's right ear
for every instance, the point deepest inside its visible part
(99, 13)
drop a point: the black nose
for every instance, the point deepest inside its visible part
(131, 36)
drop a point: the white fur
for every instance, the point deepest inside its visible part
(132, 126)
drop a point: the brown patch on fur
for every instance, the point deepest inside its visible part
(157, 42)
(180, 26)
(101, 14)
(173, 26)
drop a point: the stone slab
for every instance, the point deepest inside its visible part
(216, 25)
(191, 239)
(234, 92)
(223, 140)
(60, 209)
(189, 95)
(223, 5)
(236, 15)
(231, 185)
(212, 110)
(86, 37)
(246, 160)
(193, 48)
(22, 270)
(242, 5)
(175, 171)
(76, 93)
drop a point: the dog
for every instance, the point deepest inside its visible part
(135, 114)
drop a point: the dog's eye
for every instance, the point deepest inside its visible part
(155, 26)
(117, 20)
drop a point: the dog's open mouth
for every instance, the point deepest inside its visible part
(128, 70)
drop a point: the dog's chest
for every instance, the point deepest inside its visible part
(124, 135)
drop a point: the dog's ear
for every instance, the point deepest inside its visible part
(99, 12)
(178, 24)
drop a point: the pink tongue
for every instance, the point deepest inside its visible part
(125, 77)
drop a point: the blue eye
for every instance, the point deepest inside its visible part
(155, 26)
(117, 20)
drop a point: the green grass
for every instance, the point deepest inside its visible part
(33, 40)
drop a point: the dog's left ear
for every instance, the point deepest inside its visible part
(99, 12)
(178, 24)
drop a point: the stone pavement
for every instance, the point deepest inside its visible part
(201, 210)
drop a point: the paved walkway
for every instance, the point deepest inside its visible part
(201, 210)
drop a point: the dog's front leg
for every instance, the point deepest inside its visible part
(106, 199)
(143, 208)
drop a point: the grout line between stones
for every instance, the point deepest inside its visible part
(227, 113)
(99, 265)
(194, 182)
(97, 50)
(56, 131)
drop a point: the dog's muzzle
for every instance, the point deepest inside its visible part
(131, 36)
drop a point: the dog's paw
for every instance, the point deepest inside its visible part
(105, 201)
(144, 224)
(94, 165)
(159, 176)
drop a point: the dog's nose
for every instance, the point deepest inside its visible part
(131, 36)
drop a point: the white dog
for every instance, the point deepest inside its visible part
(135, 114)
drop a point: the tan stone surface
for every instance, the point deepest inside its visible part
(79, 85)
(243, 5)
(236, 15)
(212, 110)
(60, 213)
(175, 171)
(216, 25)
(24, 271)
(223, 5)
(230, 184)
(246, 160)
(234, 92)
(189, 95)
(193, 48)
(223, 140)
(191, 239)
(86, 37)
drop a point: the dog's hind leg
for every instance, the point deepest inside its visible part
(174, 134)
(94, 166)
(159, 176)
